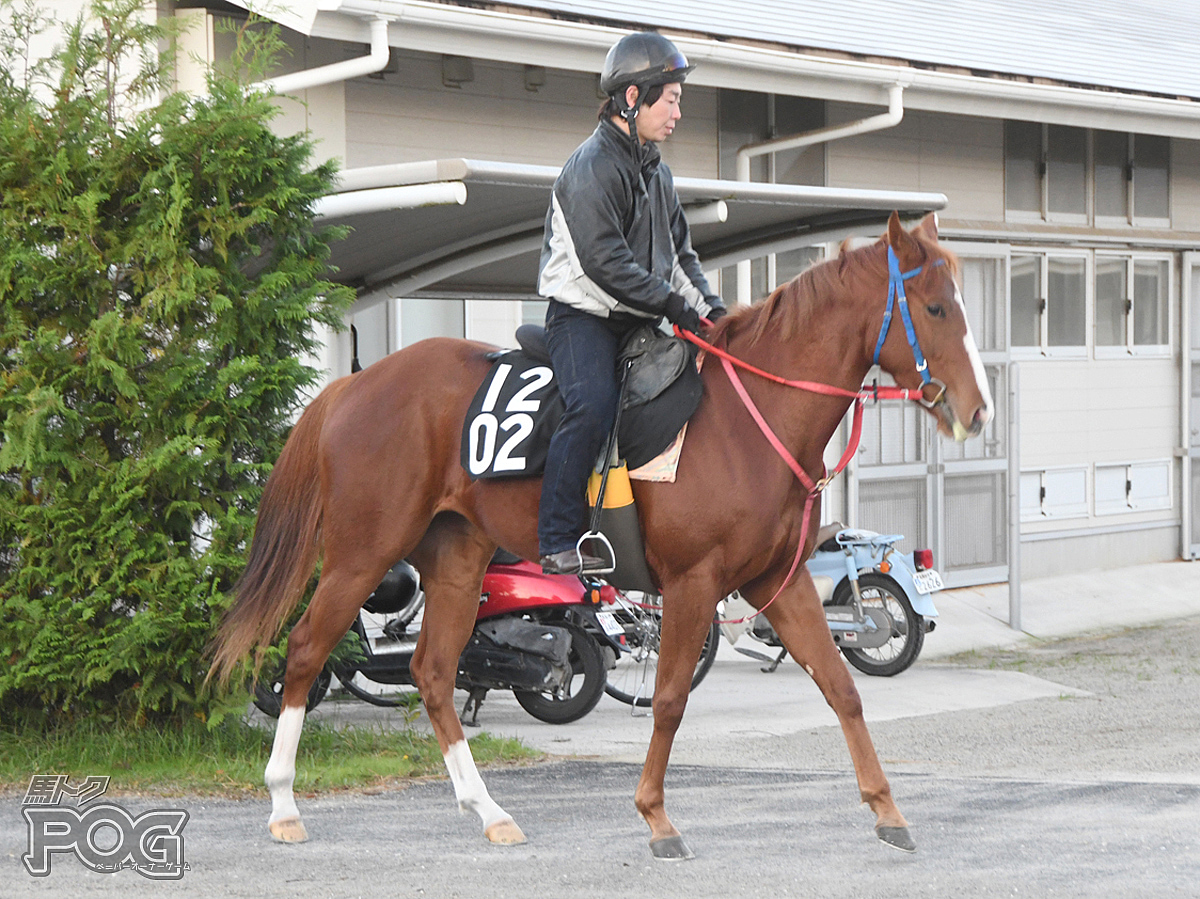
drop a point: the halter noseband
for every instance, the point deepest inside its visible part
(897, 297)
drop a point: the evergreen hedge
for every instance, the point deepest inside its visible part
(160, 278)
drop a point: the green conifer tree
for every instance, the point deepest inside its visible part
(160, 279)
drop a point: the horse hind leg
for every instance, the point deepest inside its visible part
(284, 823)
(452, 559)
(800, 621)
(326, 620)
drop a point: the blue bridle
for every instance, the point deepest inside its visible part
(897, 297)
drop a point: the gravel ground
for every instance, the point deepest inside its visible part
(1139, 719)
(1093, 794)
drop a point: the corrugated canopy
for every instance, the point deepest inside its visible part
(489, 243)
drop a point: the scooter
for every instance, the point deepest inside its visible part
(542, 636)
(878, 601)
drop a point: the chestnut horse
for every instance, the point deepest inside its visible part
(371, 474)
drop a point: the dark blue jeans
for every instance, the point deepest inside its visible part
(583, 348)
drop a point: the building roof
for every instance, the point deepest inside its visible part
(1149, 46)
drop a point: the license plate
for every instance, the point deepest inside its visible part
(609, 622)
(928, 581)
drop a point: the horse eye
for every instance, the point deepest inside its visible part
(936, 310)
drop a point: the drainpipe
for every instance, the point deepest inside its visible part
(375, 61)
(888, 119)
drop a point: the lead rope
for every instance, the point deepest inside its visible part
(896, 297)
(814, 488)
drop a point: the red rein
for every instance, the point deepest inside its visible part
(813, 488)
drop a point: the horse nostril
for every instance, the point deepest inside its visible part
(982, 416)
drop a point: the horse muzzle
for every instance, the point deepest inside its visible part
(936, 401)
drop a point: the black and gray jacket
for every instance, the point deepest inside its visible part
(616, 238)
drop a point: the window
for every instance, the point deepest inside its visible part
(1054, 493)
(1113, 175)
(1049, 299)
(1132, 299)
(1023, 167)
(1151, 177)
(533, 312)
(1134, 487)
(1132, 177)
(426, 317)
(1066, 173)
(983, 295)
(1045, 172)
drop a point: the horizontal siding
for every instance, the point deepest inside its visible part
(410, 116)
(1098, 411)
(1100, 552)
(955, 155)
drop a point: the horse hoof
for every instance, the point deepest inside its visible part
(504, 833)
(897, 838)
(671, 849)
(288, 830)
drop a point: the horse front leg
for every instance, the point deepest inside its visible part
(684, 628)
(799, 619)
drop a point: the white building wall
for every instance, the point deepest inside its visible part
(959, 156)
(1075, 414)
(411, 115)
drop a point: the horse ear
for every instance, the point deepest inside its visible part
(895, 231)
(900, 240)
(928, 227)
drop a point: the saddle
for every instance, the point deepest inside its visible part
(517, 408)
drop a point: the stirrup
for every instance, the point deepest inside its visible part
(610, 563)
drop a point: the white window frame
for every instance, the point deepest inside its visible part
(1132, 474)
(1044, 214)
(1043, 350)
(1129, 348)
(1047, 507)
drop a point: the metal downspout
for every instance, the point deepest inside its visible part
(374, 61)
(889, 119)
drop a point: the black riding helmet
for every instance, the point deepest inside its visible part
(645, 59)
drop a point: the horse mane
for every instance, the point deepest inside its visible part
(787, 312)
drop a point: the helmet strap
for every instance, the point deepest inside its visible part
(630, 114)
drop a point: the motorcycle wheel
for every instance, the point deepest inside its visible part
(268, 691)
(586, 686)
(400, 694)
(908, 628)
(631, 680)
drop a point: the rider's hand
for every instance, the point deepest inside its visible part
(717, 311)
(681, 314)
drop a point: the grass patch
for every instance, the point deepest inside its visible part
(228, 760)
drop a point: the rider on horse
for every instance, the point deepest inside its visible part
(617, 254)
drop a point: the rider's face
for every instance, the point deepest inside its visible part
(656, 122)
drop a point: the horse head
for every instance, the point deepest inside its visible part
(931, 348)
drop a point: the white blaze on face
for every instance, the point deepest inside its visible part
(981, 380)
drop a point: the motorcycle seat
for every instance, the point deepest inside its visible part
(826, 536)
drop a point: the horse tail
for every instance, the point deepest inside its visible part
(286, 542)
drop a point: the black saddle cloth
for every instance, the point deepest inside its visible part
(515, 411)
